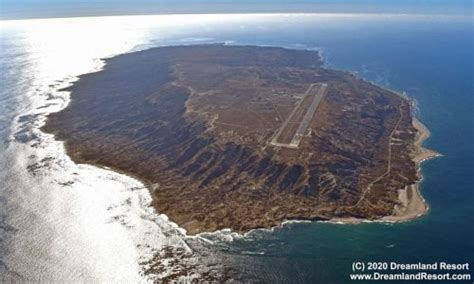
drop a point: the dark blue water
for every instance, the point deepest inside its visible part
(432, 60)
(429, 57)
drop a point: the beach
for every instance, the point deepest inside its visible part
(193, 167)
(48, 202)
(412, 204)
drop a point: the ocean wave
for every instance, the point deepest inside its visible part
(81, 221)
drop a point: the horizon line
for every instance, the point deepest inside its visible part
(450, 15)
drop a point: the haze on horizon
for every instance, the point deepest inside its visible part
(26, 9)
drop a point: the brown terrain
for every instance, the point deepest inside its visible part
(244, 137)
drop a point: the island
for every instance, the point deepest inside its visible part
(246, 137)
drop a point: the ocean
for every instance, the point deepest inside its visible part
(60, 221)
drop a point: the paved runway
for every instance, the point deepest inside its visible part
(288, 129)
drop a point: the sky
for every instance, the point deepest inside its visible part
(24, 9)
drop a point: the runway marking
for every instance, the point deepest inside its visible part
(288, 126)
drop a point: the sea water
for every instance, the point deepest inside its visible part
(61, 221)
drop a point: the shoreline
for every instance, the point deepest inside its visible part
(411, 204)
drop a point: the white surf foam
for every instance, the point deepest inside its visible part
(73, 222)
(76, 222)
